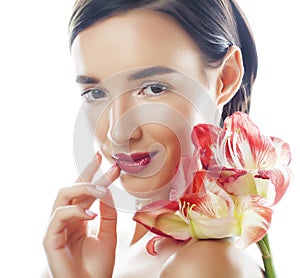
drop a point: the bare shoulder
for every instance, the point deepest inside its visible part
(211, 259)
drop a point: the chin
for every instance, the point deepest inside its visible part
(137, 185)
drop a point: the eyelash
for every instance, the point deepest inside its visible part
(156, 85)
(89, 93)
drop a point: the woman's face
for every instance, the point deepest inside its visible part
(143, 110)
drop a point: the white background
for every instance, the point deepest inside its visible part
(39, 103)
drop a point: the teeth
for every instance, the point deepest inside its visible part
(144, 161)
(140, 162)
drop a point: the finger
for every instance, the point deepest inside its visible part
(67, 195)
(107, 179)
(80, 192)
(108, 221)
(89, 172)
(85, 193)
(55, 237)
(99, 188)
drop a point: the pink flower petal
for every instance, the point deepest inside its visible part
(280, 178)
(254, 150)
(148, 214)
(222, 227)
(255, 219)
(212, 214)
(238, 182)
(200, 180)
(151, 245)
(182, 180)
(173, 226)
(228, 176)
(163, 220)
(241, 170)
(283, 150)
(203, 137)
(209, 205)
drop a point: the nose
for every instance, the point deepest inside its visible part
(123, 121)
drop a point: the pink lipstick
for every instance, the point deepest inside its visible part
(135, 162)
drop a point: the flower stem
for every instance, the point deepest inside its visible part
(264, 247)
(266, 241)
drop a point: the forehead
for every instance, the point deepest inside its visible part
(139, 38)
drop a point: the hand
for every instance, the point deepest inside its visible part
(70, 250)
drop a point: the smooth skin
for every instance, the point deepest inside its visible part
(137, 39)
(108, 47)
(71, 251)
(211, 259)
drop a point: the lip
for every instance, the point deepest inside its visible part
(135, 162)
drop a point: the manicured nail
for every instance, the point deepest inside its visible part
(99, 157)
(112, 167)
(91, 213)
(101, 188)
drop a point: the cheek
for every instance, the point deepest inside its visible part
(102, 140)
(171, 147)
(99, 127)
(174, 150)
(183, 121)
(102, 129)
(163, 168)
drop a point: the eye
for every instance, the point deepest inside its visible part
(94, 94)
(153, 89)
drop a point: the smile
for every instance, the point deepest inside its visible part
(133, 163)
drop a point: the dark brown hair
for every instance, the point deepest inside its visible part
(215, 25)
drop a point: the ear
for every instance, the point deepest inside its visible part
(230, 75)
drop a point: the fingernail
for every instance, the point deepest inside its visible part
(91, 213)
(97, 191)
(98, 157)
(112, 167)
(101, 188)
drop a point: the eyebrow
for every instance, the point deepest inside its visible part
(148, 72)
(144, 73)
(82, 79)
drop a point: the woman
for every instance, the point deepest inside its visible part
(137, 63)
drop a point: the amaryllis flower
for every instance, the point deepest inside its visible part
(242, 173)
(242, 159)
(208, 214)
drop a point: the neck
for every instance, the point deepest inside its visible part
(145, 198)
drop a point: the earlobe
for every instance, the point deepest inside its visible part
(230, 76)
